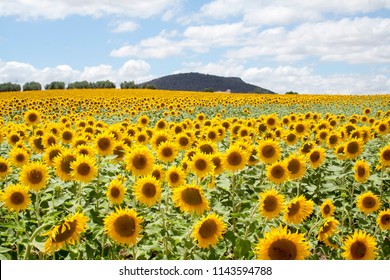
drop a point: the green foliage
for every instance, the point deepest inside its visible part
(32, 86)
(127, 85)
(55, 85)
(208, 89)
(4, 87)
(291, 92)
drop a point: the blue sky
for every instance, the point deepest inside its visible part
(306, 46)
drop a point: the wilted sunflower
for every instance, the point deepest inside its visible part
(362, 171)
(190, 198)
(5, 167)
(328, 228)
(15, 197)
(175, 176)
(235, 158)
(123, 226)
(62, 165)
(277, 172)
(34, 175)
(209, 230)
(201, 164)
(368, 202)
(32, 117)
(383, 219)
(359, 246)
(384, 156)
(167, 151)
(140, 161)
(104, 144)
(281, 244)
(268, 151)
(116, 191)
(297, 210)
(147, 190)
(68, 232)
(84, 168)
(296, 165)
(327, 208)
(353, 148)
(271, 203)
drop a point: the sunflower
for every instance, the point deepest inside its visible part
(268, 151)
(271, 203)
(49, 139)
(18, 156)
(32, 117)
(362, 171)
(147, 190)
(123, 226)
(62, 165)
(333, 139)
(327, 208)
(140, 161)
(281, 244)
(158, 172)
(217, 162)
(316, 157)
(160, 137)
(67, 136)
(116, 191)
(52, 152)
(15, 197)
(175, 176)
(383, 219)
(86, 150)
(37, 144)
(68, 232)
(183, 140)
(207, 147)
(384, 156)
(359, 246)
(190, 198)
(296, 165)
(105, 144)
(298, 210)
(290, 138)
(235, 158)
(34, 175)
(209, 230)
(5, 167)
(120, 150)
(201, 164)
(167, 151)
(328, 228)
(368, 202)
(84, 168)
(277, 172)
(353, 148)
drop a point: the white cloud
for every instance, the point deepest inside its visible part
(60, 9)
(18, 72)
(126, 26)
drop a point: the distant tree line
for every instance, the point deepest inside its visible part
(4, 87)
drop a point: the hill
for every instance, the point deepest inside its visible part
(204, 82)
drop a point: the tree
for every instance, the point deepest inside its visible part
(55, 85)
(79, 85)
(103, 84)
(126, 85)
(291, 92)
(9, 87)
(32, 86)
(209, 89)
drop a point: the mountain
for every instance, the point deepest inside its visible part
(203, 82)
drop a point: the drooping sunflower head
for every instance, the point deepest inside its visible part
(298, 209)
(271, 203)
(15, 198)
(140, 161)
(66, 233)
(269, 151)
(277, 172)
(34, 175)
(84, 168)
(359, 246)
(281, 244)
(147, 190)
(383, 219)
(368, 202)
(327, 208)
(190, 198)
(362, 171)
(123, 226)
(209, 230)
(116, 191)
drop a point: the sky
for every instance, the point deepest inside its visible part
(316, 46)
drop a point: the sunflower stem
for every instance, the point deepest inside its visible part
(37, 208)
(351, 203)
(17, 235)
(233, 211)
(250, 220)
(162, 211)
(28, 249)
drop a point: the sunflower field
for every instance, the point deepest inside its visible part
(150, 175)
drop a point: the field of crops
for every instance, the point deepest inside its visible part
(147, 174)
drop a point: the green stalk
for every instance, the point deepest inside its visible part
(28, 249)
(250, 220)
(37, 208)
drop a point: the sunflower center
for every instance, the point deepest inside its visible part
(19, 158)
(104, 144)
(38, 143)
(124, 226)
(282, 249)
(115, 192)
(141, 138)
(234, 158)
(369, 202)
(139, 162)
(3, 167)
(51, 141)
(35, 176)
(277, 172)
(300, 128)
(358, 250)
(293, 209)
(191, 196)
(212, 135)
(15, 138)
(67, 135)
(53, 154)
(294, 166)
(174, 177)
(183, 141)
(268, 151)
(156, 174)
(200, 164)
(32, 117)
(83, 169)
(306, 148)
(271, 121)
(386, 154)
(217, 162)
(291, 137)
(149, 190)
(65, 231)
(326, 209)
(270, 203)
(361, 171)
(17, 198)
(206, 148)
(315, 156)
(333, 139)
(382, 127)
(65, 163)
(326, 227)
(353, 147)
(167, 152)
(385, 219)
(208, 229)
(119, 151)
